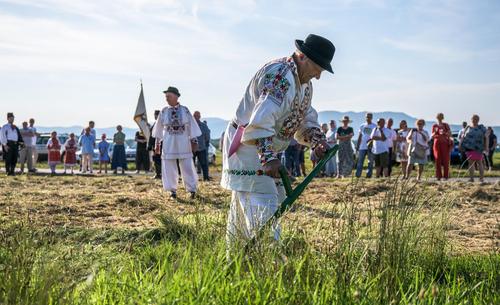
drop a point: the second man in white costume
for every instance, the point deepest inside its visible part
(178, 131)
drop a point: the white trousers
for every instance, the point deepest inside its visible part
(170, 174)
(249, 212)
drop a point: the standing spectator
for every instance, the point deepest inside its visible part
(419, 147)
(141, 153)
(11, 140)
(363, 148)
(87, 143)
(441, 134)
(103, 148)
(391, 139)
(346, 154)
(71, 147)
(54, 149)
(92, 130)
(492, 145)
(26, 153)
(475, 143)
(203, 144)
(380, 148)
(461, 133)
(179, 132)
(33, 143)
(331, 139)
(292, 158)
(119, 159)
(402, 147)
(151, 146)
(92, 133)
(302, 160)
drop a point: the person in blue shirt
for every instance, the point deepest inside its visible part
(87, 143)
(103, 147)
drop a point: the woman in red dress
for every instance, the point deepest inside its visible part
(71, 146)
(54, 148)
(443, 141)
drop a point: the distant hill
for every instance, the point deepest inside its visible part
(218, 125)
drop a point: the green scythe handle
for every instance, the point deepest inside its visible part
(293, 194)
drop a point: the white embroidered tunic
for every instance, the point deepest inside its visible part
(176, 128)
(274, 108)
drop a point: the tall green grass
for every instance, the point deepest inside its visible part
(392, 251)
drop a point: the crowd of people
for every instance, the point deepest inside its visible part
(381, 144)
(19, 145)
(385, 146)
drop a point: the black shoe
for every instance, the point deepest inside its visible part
(173, 195)
(193, 195)
(157, 177)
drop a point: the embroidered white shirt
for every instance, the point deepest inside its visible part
(176, 128)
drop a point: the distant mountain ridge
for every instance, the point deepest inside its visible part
(218, 125)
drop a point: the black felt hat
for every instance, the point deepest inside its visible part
(173, 90)
(318, 49)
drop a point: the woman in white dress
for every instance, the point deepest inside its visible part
(419, 148)
(402, 147)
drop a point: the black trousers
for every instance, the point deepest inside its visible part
(142, 159)
(292, 160)
(391, 163)
(490, 157)
(11, 156)
(202, 157)
(157, 165)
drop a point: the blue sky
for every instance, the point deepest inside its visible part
(66, 62)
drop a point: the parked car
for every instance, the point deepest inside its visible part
(41, 145)
(130, 151)
(455, 157)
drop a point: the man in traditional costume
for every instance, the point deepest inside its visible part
(11, 140)
(177, 131)
(275, 108)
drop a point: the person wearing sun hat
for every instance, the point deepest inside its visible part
(176, 133)
(346, 153)
(275, 108)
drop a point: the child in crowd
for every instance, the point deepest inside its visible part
(70, 156)
(54, 149)
(103, 154)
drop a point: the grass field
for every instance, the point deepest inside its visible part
(121, 240)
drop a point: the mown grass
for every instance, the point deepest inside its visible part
(393, 251)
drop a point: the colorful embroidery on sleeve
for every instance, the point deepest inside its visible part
(276, 84)
(265, 150)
